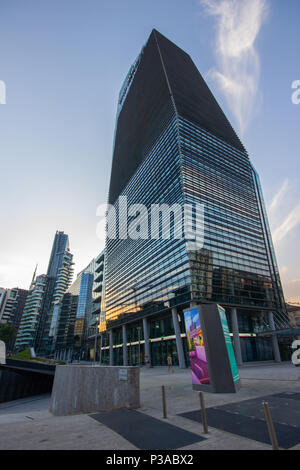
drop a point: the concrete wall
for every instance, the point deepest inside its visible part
(2, 352)
(86, 389)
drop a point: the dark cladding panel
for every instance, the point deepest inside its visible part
(148, 107)
(193, 98)
(146, 111)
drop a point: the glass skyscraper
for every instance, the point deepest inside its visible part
(12, 303)
(174, 145)
(59, 278)
(98, 287)
(33, 308)
(72, 316)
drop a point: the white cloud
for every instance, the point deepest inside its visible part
(283, 269)
(293, 281)
(289, 222)
(279, 195)
(239, 23)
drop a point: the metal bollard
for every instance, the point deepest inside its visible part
(270, 424)
(164, 401)
(203, 413)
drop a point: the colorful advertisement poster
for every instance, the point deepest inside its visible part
(196, 347)
(91, 354)
(234, 369)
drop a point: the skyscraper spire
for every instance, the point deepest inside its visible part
(34, 275)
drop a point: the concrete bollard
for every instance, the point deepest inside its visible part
(270, 424)
(203, 413)
(164, 402)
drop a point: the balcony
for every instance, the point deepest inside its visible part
(98, 298)
(98, 288)
(99, 267)
(99, 277)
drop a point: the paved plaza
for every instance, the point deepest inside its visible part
(236, 421)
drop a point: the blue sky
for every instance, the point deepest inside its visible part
(63, 63)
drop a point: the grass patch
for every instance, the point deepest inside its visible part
(25, 356)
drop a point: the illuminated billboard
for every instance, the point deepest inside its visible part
(197, 354)
(211, 353)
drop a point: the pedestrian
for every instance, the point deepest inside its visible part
(170, 363)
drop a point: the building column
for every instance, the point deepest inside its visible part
(179, 345)
(95, 345)
(146, 338)
(274, 337)
(100, 348)
(111, 349)
(124, 335)
(236, 337)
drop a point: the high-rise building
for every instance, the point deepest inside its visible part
(12, 302)
(2, 299)
(63, 322)
(98, 287)
(9, 297)
(72, 316)
(59, 249)
(29, 322)
(174, 145)
(45, 293)
(83, 314)
(59, 278)
(97, 323)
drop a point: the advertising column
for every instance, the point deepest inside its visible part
(197, 354)
(211, 354)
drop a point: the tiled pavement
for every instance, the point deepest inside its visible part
(27, 424)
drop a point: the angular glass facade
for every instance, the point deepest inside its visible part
(232, 267)
(174, 145)
(59, 277)
(71, 317)
(141, 274)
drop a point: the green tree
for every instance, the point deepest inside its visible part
(7, 332)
